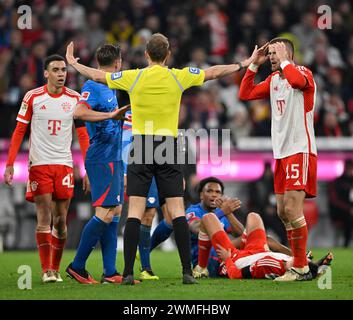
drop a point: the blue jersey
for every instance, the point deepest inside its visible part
(196, 212)
(105, 136)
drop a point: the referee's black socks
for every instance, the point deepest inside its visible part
(182, 239)
(131, 240)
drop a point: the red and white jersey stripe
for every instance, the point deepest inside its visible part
(51, 117)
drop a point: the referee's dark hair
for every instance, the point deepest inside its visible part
(107, 54)
(208, 180)
(53, 57)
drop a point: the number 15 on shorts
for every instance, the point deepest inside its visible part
(292, 171)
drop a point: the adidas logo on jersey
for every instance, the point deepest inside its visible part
(43, 107)
(297, 183)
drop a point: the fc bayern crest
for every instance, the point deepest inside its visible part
(34, 185)
(66, 106)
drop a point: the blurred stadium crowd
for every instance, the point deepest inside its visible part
(201, 33)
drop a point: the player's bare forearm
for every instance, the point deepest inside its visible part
(83, 113)
(275, 246)
(237, 226)
(220, 71)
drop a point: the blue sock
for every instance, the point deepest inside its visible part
(109, 244)
(91, 233)
(144, 246)
(160, 234)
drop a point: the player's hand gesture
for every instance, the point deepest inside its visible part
(70, 54)
(8, 175)
(260, 56)
(281, 51)
(228, 205)
(119, 113)
(223, 253)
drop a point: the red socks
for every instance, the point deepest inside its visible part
(299, 238)
(205, 245)
(44, 247)
(50, 249)
(57, 248)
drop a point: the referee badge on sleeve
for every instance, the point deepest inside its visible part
(194, 70)
(116, 75)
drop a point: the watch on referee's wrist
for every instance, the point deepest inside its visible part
(240, 65)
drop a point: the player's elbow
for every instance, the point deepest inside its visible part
(78, 113)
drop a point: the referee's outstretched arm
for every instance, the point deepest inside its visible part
(220, 71)
(91, 73)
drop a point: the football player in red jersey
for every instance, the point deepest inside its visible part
(49, 109)
(292, 90)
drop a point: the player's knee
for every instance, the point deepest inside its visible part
(148, 216)
(253, 216)
(289, 208)
(60, 223)
(208, 217)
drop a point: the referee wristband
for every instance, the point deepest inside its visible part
(240, 65)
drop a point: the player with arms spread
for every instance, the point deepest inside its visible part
(292, 91)
(155, 94)
(50, 110)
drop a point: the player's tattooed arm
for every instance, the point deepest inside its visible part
(94, 74)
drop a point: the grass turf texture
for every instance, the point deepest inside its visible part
(167, 267)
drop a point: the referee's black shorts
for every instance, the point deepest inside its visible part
(154, 156)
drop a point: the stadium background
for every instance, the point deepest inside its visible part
(201, 33)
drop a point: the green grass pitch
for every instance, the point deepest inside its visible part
(169, 287)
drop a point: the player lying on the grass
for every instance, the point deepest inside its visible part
(50, 186)
(209, 190)
(98, 106)
(255, 260)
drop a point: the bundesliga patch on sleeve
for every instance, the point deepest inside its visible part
(85, 95)
(190, 215)
(116, 75)
(23, 109)
(194, 70)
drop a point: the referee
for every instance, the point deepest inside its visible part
(155, 93)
